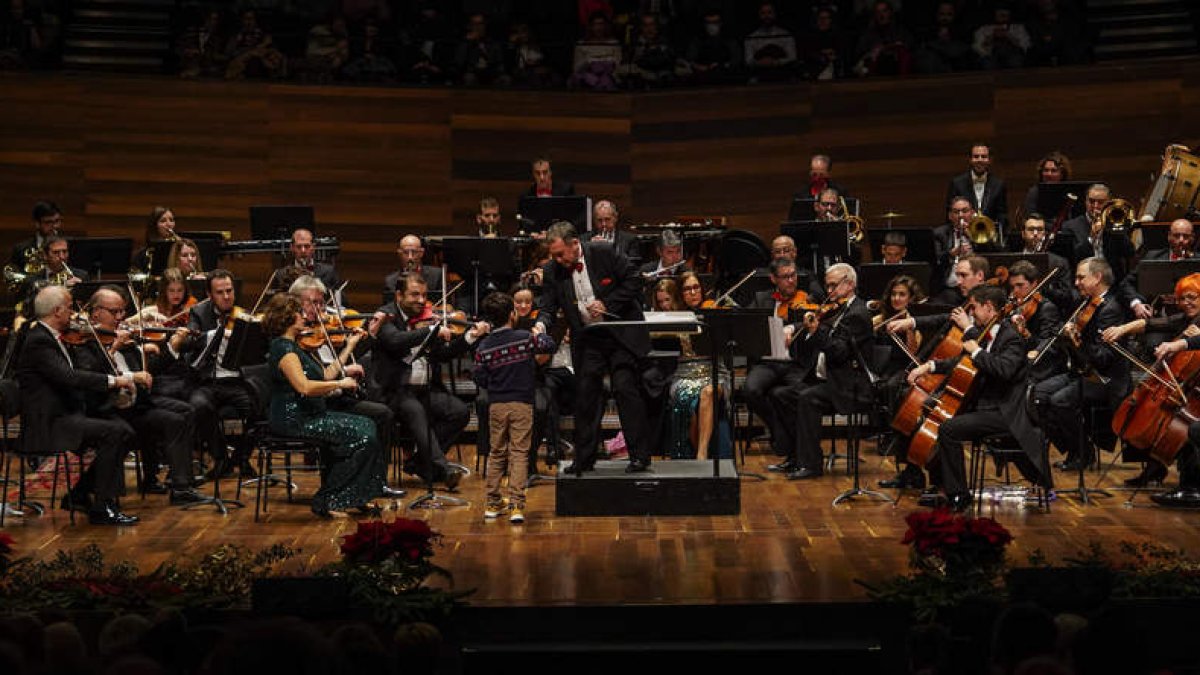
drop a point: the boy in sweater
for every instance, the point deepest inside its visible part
(505, 367)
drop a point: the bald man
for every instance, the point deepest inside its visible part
(412, 259)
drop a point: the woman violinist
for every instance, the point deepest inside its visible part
(170, 308)
(1184, 324)
(1187, 460)
(185, 255)
(899, 295)
(690, 414)
(352, 462)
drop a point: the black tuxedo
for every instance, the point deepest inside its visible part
(846, 340)
(623, 241)
(597, 351)
(995, 196)
(1042, 327)
(391, 360)
(164, 425)
(323, 271)
(768, 386)
(1058, 398)
(998, 408)
(1118, 249)
(1127, 291)
(54, 412)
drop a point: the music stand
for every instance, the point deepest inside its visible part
(818, 238)
(802, 206)
(278, 222)
(873, 278)
(730, 333)
(535, 214)
(1039, 260)
(1158, 277)
(918, 242)
(1052, 195)
(101, 255)
(246, 346)
(472, 256)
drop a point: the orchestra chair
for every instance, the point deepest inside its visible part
(10, 407)
(874, 419)
(267, 445)
(1002, 450)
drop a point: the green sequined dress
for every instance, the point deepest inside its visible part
(353, 468)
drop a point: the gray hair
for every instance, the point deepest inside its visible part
(604, 203)
(561, 230)
(1101, 187)
(669, 238)
(306, 282)
(844, 269)
(1098, 265)
(48, 299)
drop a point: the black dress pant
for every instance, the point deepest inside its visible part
(964, 428)
(770, 391)
(1062, 412)
(110, 437)
(594, 358)
(433, 428)
(165, 428)
(209, 399)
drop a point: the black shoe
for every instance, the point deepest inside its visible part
(782, 467)
(638, 466)
(453, 478)
(186, 496)
(932, 498)
(908, 479)
(1152, 473)
(323, 514)
(153, 486)
(577, 468)
(1073, 463)
(1183, 498)
(803, 473)
(76, 502)
(960, 502)
(392, 493)
(369, 511)
(108, 514)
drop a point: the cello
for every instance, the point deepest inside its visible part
(1157, 413)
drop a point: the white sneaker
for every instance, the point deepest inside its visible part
(517, 516)
(10, 510)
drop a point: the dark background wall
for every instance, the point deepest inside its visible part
(376, 162)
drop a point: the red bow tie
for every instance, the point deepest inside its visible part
(778, 297)
(578, 267)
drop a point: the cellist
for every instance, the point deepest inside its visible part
(1186, 324)
(999, 356)
(1187, 495)
(1058, 399)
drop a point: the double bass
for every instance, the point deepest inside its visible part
(1157, 413)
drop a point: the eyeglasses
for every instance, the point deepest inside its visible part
(834, 284)
(114, 312)
(1189, 297)
(786, 276)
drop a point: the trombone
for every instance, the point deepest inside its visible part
(855, 228)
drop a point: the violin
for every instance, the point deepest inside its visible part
(799, 302)
(455, 320)
(335, 327)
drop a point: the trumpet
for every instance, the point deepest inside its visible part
(854, 224)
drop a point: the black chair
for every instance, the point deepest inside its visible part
(1002, 449)
(10, 407)
(267, 445)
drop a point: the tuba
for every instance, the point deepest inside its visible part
(854, 224)
(982, 230)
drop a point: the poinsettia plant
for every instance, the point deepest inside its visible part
(952, 544)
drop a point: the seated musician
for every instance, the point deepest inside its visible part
(47, 220)
(901, 292)
(670, 260)
(827, 207)
(58, 264)
(1174, 327)
(412, 259)
(1187, 460)
(1105, 378)
(313, 300)
(952, 243)
(690, 410)
(405, 356)
(1038, 321)
(894, 248)
(1053, 167)
(488, 218)
(544, 184)
(1033, 240)
(999, 407)
(171, 304)
(969, 272)
(53, 413)
(353, 463)
(303, 259)
(208, 385)
(160, 226)
(164, 425)
(768, 381)
(606, 227)
(831, 351)
(1181, 238)
(1090, 239)
(185, 256)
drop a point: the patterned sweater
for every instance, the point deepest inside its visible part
(504, 364)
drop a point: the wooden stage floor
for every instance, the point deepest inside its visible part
(788, 545)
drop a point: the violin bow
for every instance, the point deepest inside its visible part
(262, 295)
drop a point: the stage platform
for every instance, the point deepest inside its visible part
(787, 545)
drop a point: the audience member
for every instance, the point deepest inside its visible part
(480, 59)
(946, 47)
(597, 55)
(1055, 40)
(525, 60)
(251, 54)
(328, 50)
(713, 56)
(428, 47)
(369, 61)
(770, 49)
(652, 61)
(1001, 43)
(201, 47)
(885, 47)
(1021, 632)
(825, 47)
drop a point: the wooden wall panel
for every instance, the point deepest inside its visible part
(377, 163)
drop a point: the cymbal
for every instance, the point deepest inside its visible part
(891, 214)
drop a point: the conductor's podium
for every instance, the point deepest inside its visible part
(668, 488)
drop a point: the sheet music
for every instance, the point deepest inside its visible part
(779, 348)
